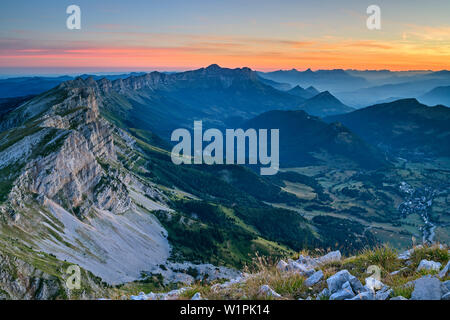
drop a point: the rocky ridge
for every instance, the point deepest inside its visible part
(73, 137)
(59, 159)
(70, 198)
(160, 81)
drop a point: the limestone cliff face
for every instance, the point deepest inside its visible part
(66, 197)
(214, 75)
(70, 173)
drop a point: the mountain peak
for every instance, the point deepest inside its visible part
(325, 104)
(408, 103)
(312, 90)
(411, 100)
(326, 96)
(213, 67)
(301, 92)
(326, 93)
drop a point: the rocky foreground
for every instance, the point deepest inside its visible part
(421, 273)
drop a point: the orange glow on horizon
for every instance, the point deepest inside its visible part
(262, 35)
(253, 53)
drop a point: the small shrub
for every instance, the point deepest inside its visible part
(385, 257)
(433, 253)
(404, 291)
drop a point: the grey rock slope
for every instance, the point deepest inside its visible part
(65, 195)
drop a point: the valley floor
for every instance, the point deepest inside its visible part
(401, 206)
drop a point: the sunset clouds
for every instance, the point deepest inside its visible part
(262, 42)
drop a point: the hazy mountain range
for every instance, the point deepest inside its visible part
(355, 88)
(439, 95)
(304, 93)
(332, 80)
(361, 88)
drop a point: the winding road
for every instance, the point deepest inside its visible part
(419, 200)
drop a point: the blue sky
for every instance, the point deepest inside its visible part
(142, 35)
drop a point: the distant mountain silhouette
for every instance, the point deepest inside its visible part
(307, 140)
(276, 85)
(303, 93)
(411, 86)
(325, 104)
(312, 90)
(333, 80)
(404, 127)
(439, 95)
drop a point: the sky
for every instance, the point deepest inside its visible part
(145, 35)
